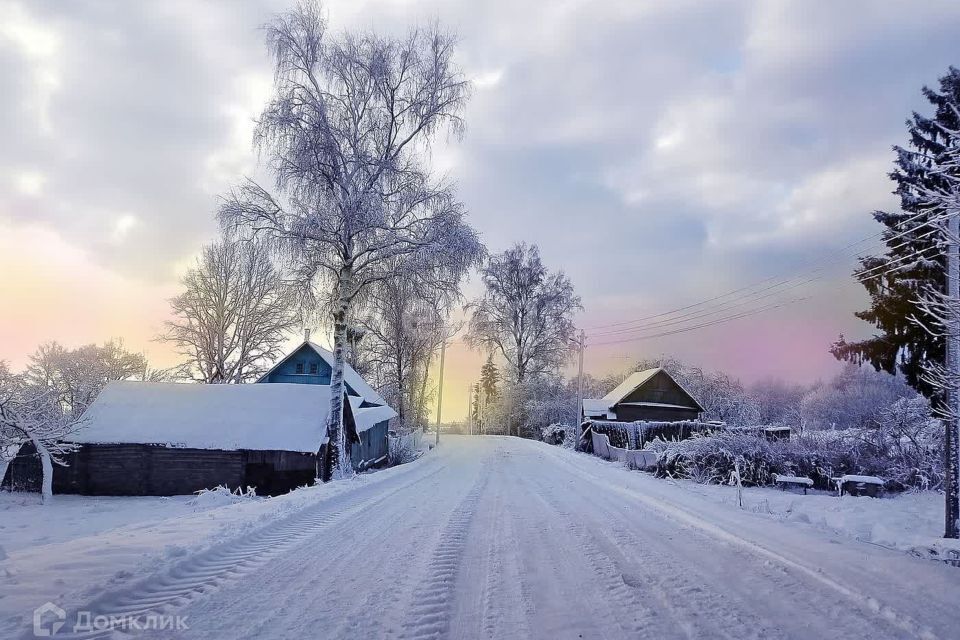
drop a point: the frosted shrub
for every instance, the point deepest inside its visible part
(222, 496)
(903, 462)
(402, 450)
(711, 459)
(559, 434)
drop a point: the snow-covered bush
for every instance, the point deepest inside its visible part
(559, 434)
(403, 449)
(711, 459)
(222, 496)
(905, 461)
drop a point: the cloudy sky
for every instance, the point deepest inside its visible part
(660, 153)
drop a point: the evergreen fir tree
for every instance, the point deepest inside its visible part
(902, 345)
(489, 378)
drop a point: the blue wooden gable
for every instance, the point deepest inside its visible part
(303, 366)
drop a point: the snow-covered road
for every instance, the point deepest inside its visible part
(506, 538)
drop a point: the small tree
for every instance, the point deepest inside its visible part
(489, 377)
(33, 414)
(346, 133)
(234, 316)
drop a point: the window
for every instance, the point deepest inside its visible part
(299, 367)
(313, 368)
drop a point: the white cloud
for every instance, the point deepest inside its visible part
(488, 79)
(122, 227)
(40, 46)
(30, 183)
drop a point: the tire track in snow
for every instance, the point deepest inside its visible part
(493, 569)
(188, 579)
(387, 600)
(699, 610)
(429, 614)
(630, 614)
(645, 584)
(505, 586)
(862, 600)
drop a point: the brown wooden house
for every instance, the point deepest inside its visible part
(651, 395)
(153, 438)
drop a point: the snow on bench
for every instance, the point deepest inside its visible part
(856, 485)
(783, 481)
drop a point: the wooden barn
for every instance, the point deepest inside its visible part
(143, 438)
(651, 395)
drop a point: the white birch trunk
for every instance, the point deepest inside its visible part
(339, 456)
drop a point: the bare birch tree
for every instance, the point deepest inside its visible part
(526, 313)
(234, 315)
(403, 331)
(347, 133)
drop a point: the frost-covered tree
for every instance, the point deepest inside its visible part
(902, 345)
(475, 408)
(234, 315)
(938, 312)
(75, 377)
(405, 328)
(525, 313)
(778, 401)
(34, 414)
(347, 133)
(852, 399)
(489, 377)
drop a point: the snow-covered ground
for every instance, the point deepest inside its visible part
(25, 522)
(490, 537)
(910, 522)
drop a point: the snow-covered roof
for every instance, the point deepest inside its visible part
(660, 405)
(369, 416)
(350, 376)
(366, 417)
(627, 387)
(287, 417)
(634, 381)
(592, 405)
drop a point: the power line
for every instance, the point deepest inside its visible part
(747, 291)
(687, 317)
(706, 324)
(772, 290)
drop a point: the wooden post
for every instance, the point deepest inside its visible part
(443, 348)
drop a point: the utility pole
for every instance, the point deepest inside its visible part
(951, 427)
(470, 409)
(443, 348)
(580, 343)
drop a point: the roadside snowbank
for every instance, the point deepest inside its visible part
(78, 546)
(25, 522)
(911, 522)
